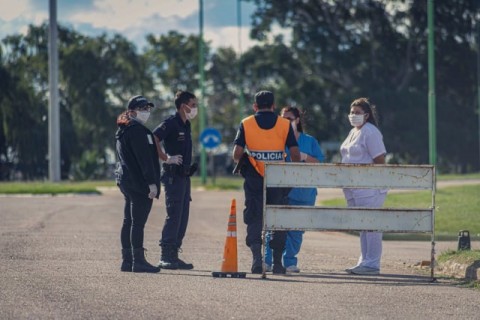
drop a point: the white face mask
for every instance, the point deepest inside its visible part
(356, 120)
(192, 114)
(142, 116)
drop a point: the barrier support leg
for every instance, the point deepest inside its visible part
(264, 248)
(432, 262)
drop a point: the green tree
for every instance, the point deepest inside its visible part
(100, 75)
(97, 76)
(223, 95)
(172, 60)
(23, 104)
(378, 49)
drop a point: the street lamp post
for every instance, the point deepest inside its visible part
(53, 108)
(477, 25)
(431, 85)
(240, 86)
(201, 63)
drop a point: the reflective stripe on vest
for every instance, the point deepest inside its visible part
(265, 144)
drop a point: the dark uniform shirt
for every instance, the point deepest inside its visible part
(176, 138)
(253, 187)
(265, 120)
(138, 158)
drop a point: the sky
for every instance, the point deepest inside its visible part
(134, 19)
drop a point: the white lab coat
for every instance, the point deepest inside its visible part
(362, 146)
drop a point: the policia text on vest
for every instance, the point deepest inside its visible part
(267, 155)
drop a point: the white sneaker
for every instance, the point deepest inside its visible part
(268, 268)
(294, 269)
(360, 270)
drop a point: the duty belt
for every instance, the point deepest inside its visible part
(176, 169)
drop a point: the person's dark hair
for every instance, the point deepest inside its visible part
(182, 97)
(296, 112)
(367, 107)
(264, 99)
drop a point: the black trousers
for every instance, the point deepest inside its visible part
(177, 201)
(253, 212)
(135, 214)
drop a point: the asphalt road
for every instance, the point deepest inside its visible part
(60, 259)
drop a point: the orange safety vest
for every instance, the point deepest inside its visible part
(265, 144)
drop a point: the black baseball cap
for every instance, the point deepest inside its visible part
(138, 102)
(264, 98)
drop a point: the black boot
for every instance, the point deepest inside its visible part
(277, 262)
(182, 264)
(257, 258)
(140, 264)
(167, 258)
(127, 260)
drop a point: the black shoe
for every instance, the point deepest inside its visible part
(126, 266)
(184, 265)
(181, 264)
(277, 262)
(127, 260)
(140, 264)
(168, 264)
(278, 269)
(257, 269)
(145, 267)
(168, 257)
(256, 258)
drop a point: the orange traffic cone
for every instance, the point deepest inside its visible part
(230, 260)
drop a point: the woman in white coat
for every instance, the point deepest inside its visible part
(364, 144)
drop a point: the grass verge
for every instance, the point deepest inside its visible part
(46, 187)
(460, 256)
(464, 257)
(469, 176)
(219, 183)
(53, 188)
(457, 209)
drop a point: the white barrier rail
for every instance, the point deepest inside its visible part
(348, 219)
(397, 220)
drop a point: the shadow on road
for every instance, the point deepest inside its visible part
(383, 279)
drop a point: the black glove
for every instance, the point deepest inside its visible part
(193, 169)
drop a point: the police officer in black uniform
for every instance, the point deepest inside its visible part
(266, 119)
(174, 143)
(138, 177)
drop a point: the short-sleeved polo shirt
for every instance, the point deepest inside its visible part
(176, 137)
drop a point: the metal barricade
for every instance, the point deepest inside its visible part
(307, 175)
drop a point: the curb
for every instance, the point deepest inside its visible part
(460, 270)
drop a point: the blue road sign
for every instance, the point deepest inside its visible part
(210, 138)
